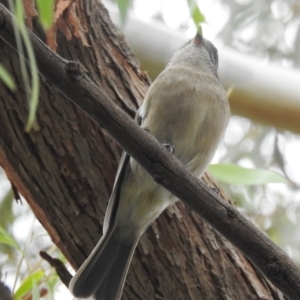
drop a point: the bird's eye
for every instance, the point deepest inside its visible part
(213, 53)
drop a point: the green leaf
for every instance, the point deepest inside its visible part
(28, 284)
(35, 83)
(6, 78)
(196, 13)
(45, 9)
(6, 239)
(7, 216)
(123, 6)
(33, 90)
(19, 11)
(35, 291)
(235, 174)
(51, 283)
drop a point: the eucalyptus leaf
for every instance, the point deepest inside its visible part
(45, 9)
(196, 13)
(35, 291)
(235, 174)
(51, 283)
(6, 78)
(28, 284)
(6, 239)
(123, 6)
(7, 216)
(32, 91)
(19, 11)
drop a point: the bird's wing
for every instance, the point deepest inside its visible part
(114, 198)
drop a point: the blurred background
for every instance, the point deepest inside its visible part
(259, 49)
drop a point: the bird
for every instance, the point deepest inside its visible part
(186, 109)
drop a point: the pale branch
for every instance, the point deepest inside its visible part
(71, 81)
(266, 93)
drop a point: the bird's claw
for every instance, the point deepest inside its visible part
(170, 148)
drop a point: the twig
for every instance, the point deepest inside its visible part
(59, 267)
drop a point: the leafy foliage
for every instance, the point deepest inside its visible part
(235, 174)
(30, 283)
(6, 239)
(123, 6)
(22, 37)
(196, 14)
(45, 12)
(6, 78)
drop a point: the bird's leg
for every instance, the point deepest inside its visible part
(170, 148)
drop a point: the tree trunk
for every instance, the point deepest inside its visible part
(66, 170)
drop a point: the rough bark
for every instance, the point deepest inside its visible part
(66, 170)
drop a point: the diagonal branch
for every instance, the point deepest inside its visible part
(70, 80)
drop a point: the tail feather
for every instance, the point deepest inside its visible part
(103, 273)
(111, 287)
(94, 269)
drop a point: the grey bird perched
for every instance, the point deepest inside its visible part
(186, 107)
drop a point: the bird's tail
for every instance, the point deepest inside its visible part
(104, 272)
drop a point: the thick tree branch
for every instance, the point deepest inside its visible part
(68, 78)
